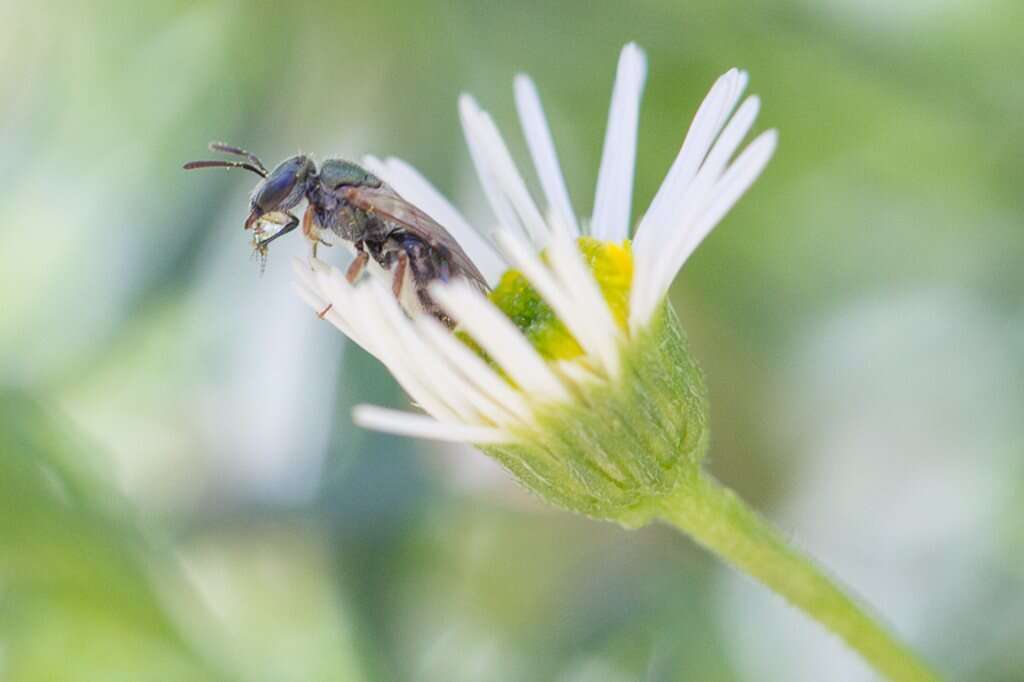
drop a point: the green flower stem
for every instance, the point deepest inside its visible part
(720, 521)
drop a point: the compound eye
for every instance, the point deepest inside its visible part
(278, 187)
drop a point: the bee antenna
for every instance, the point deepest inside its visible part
(192, 165)
(238, 151)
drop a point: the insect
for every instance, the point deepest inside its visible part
(346, 200)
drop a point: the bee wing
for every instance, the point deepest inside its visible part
(386, 203)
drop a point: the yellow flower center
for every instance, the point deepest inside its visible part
(612, 266)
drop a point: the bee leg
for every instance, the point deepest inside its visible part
(292, 223)
(309, 230)
(399, 275)
(357, 267)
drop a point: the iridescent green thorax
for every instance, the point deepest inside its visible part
(612, 265)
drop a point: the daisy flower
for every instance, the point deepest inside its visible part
(573, 372)
(577, 318)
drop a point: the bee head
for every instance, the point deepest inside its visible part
(279, 191)
(282, 188)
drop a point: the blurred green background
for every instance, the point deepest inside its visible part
(184, 497)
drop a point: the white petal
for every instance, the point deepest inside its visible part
(419, 426)
(687, 192)
(475, 370)
(613, 196)
(345, 312)
(737, 180)
(701, 135)
(431, 377)
(392, 353)
(501, 339)
(577, 373)
(694, 202)
(309, 289)
(429, 367)
(570, 270)
(732, 136)
(415, 188)
(712, 197)
(698, 201)
(499, 176)
(649, 281)
(314, 301)
(342, 314)
(469, 113)
(545, 159)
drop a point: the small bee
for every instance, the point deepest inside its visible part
(365, 213)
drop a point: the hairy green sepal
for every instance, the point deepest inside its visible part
(624, 443)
